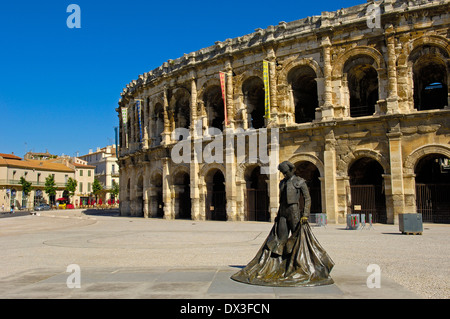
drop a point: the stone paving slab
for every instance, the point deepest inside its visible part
(191, 283)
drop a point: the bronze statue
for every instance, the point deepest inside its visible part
(295, 260)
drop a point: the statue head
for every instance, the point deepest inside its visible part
(287, 168)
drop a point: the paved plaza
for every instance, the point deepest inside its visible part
(130, 257)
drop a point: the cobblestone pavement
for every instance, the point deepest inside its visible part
(130, 257)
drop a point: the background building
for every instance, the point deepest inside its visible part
(35, 171)
(106, 169)
(360, 98)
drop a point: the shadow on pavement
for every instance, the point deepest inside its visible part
(102, 212)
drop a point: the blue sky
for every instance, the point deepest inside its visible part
(59, 87)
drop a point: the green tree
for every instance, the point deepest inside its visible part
(71, 186)
(26, 189)
(96, 188)
(50, 188)
(115, 190)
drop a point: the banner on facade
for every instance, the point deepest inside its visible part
(266, 88)
(124, 115)
(222, 86)
(138, 105)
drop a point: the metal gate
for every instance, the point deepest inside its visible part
(316, 200)
(433, 202)
(257, 205)
(218, 207)
(369, 199)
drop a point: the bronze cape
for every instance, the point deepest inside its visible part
(304, 262)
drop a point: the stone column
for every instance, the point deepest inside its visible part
(145, 103)
(194, 163)
(271, 57)
(396, 176)
(392, 99)
(330, 178)
(166, 133)
(229, 94)
(166, 189)
(327, 107)
(230, 176)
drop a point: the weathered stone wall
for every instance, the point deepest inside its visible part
(335, 54)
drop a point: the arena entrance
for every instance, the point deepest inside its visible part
(367, 189)
(182, 186)
(216, 203)
(140, 197)
(156, 199)
(310, 173)
(433, 188)
(257, 195)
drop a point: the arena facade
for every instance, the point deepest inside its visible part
(356, 99)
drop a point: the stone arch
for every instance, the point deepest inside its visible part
(313, 64)
(379, 61)
(178, 170)
(214, 191)
(412, 159)
(434, 40)
(207, 84)
(210, 166)
(240, 79)
(180, 108)
(181, 192)
(308, 158)
(311, 168)
(357, 154)
(428, 64)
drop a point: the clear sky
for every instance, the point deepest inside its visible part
(59, 87)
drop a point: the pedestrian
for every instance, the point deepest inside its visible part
(3, 207)
(12, 209)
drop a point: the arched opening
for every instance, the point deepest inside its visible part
(216, 202)
(140, 197)
(304, 90)
(158, 124)
(310, 173)
(367, 189)
(430, 81)
(254, 96)
(180, 112)
(257, 195)
(362, 78)
(214, 105)
(182, 186)
(156, 197)
(433, 188)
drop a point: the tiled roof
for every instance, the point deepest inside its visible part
(35, 164)
(10, 156)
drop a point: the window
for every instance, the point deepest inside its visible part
(113, 169)
(89, 187)
(89, 172)
(81, 187)
(81, 172)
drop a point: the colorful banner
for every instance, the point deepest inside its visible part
(222, 86)
(124, 115)
(138, 105)
(266, 89)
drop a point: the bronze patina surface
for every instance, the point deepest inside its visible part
(295, 260)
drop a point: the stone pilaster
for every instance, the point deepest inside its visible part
(392, 99)
(396, 176)
(331, 202)
(327, 107)
(167, 191)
